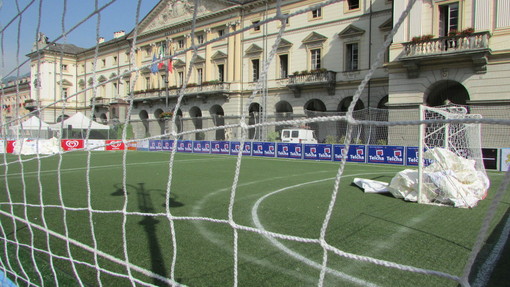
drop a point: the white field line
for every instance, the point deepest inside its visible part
(483, 276)
(296, 255)
(215, 239)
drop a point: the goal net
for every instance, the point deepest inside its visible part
(72, 216)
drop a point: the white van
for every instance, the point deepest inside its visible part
(298, 135)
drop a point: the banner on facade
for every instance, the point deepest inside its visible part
(266, 149)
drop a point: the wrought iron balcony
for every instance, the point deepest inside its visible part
(30, 105)
(313, 79)
(474, 46)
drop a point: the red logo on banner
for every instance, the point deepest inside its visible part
(72, 144)
(114, 145)
(10, 146)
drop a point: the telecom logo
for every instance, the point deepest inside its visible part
(396, 157)
(284, 152)
(296, 153)
(225, 148)
(259, 150)
(216, 148)
(378, 157)
(326, 154)
(312, 153)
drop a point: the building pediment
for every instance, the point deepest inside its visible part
(65, 82)
(314, 37)
(351, 31)
(171, 12)
(219, 56)
(253, 49)
(284, 44)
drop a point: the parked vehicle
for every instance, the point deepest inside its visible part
(298, 135)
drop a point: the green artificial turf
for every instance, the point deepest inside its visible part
(287, 197)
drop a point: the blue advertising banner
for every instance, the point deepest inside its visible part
(180, 146)
(318, 151)
(386, 154)
(412, 156)
(289, 150)
(356, 153)
(263, 149)
(201, 146)
(155, 145)
(234, 148)
(167, 145)
(220, 147)
(188, 146)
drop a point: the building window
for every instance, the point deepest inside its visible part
(65, 93)
(353, 4)
(200, 39)
(147, 83)
(64, 67)
(221, 72)
(256, 28)
(255, 69)
(317, 13)
(448, 18)
(315, 59)
(103, 63)
(180, 43)
(284, 66)
(181, 78)
(352, 57)
(115, 60)
(200, 76)
(221, 32)
(115, 91)
(128, 87)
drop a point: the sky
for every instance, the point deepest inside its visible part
(17, 34)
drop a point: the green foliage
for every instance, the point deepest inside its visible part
(331, 139)
(120, 127)
(273, 136)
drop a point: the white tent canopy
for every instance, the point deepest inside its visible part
(33, 123)
(31, 128)
(80, 122)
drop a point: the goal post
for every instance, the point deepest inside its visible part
(450, 157)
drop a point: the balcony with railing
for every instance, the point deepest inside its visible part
(313, 79)
(198, 91)
(30, 105)
(472, 46)
(100, 102)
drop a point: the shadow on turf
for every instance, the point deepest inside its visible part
(149, 223)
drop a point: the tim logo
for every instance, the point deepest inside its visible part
(298, 149)
(379, 152)
(285, 148)
(313, 150)
(199, 146)
(247, 147)
(72, 144)
(327, 150)
(259, 148)
(181, 145)
(207, 146)
(271, 148)
(397, 153)
(359, 151)
(189, 145)
(237, 147)
(225, 146)
(217, 146)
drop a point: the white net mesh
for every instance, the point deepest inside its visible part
(57, 237)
